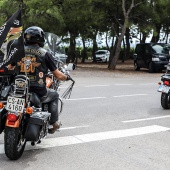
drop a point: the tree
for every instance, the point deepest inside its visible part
(126, 13)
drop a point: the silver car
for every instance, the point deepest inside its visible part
(102, 55)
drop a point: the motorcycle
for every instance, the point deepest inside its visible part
(164, 88)
(23, 117)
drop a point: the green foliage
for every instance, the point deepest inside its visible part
(85, 18)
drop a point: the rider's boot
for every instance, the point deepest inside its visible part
(56, 126)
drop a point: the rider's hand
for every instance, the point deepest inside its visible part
(68, 77)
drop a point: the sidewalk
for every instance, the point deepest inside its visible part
(125, 69)
(127, 65)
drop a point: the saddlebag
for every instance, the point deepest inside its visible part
(5, 92)
(36, 122)
(2, 119)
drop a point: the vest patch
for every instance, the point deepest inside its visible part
(28, 64)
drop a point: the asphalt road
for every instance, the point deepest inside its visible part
(113, 121)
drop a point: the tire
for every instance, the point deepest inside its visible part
(151, 68)
(14, 146)
(136, 67)
(165, 103)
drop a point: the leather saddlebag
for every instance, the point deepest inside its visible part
(35, 124)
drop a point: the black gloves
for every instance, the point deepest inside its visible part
(68, 77)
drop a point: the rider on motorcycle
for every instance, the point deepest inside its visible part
(40, 61)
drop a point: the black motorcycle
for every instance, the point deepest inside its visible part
(164, 88)
(22, 116)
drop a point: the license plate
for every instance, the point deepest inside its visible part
(163, 88)
(15, 104)
(160, 88)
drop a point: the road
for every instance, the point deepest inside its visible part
(113, 121)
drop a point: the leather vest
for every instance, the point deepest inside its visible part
(34, 65)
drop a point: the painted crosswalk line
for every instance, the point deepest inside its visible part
(92, 137)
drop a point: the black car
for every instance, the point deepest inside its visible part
(153, 56)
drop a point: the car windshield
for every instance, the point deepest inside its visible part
(158, 48)
(101, 52)
(166, 48)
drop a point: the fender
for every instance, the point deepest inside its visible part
(16, 124)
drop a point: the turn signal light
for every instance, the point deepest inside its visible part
(29, 110)
(1, 105)
(2, 71)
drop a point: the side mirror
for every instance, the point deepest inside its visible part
(71, 66)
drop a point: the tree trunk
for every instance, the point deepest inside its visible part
(112, 50)
(143, 38)
(84, 51)
(124, 51)
(127, 43)
(121, 36)
(94, 47)
(155, 39)
(113, 63)
(106, 40)
(72, 50)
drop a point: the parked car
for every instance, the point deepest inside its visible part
(58, 56)
(63, 57)
(102, 55)
(152, 56)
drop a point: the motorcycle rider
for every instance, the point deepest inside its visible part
(40, 61)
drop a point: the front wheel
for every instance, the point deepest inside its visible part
(136, 67)
(14, 143)
(165, 101)
(151, 68)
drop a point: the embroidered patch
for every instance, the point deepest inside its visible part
(41, 74)
(40, 81)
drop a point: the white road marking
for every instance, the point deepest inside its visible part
(152, 118)
(131, 95)
(75, 127)
(106, 85)
(92, 98)
(84, 138)
(123, 84)
(89, 98)
(98, 85)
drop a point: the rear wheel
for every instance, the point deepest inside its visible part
(136, 67)
(151, 68)
(14, 143)
(165, 101)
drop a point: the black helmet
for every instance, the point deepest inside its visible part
(34, 34)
